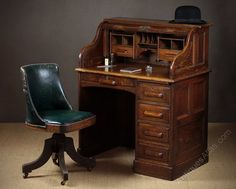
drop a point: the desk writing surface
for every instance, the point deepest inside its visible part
(159, 73)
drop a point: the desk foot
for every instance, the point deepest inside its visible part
(166, 172)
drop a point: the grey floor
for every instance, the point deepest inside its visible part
(114, 168)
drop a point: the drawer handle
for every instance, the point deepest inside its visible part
(153, 134)
(107, 82)
(155, 154)
(153, 94)
(159, 154)
(144, 28)
(153, 114)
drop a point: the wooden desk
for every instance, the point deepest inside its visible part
(162, 114)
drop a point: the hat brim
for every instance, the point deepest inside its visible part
(182, 21)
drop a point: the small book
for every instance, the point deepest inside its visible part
(130, 70)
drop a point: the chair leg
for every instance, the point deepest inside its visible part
(55, 158)
(89, 163)
(55, 147)
(62, 165)
(43, 158)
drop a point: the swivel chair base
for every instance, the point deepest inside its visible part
(55, 147)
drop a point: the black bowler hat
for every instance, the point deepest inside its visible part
(188, 15)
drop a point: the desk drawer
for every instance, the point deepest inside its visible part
(153, 133)
(154, 93)
(89, 77)
(121, 50)
(152, 153)
(107, 80)
(153, 113)
(167, 54)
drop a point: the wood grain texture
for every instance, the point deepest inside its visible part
(162, 113)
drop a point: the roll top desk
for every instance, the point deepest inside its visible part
(161, 113)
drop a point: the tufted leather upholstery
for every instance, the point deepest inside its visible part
(46, 101)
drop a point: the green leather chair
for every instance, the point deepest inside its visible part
(48, 109)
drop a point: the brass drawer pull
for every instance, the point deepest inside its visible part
(160, 135)
(159, 154)
(153, 114)
(107, 82)
(153, 94)
(144, 28)
(155, 154)
(153, 134)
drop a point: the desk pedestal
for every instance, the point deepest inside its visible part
(165, 122)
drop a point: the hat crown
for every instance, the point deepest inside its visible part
(187, 12)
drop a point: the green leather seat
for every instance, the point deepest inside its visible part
(63, 117)
(47, 108)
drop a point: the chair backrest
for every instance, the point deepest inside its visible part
(43, 90)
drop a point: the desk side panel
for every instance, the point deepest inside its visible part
(92, 54)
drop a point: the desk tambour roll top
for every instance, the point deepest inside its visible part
(171, 101)
(181, 47)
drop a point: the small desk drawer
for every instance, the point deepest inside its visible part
(120, 50)
(153, 153)
(154, 93)
(89, 77)
(107, 80)
(153, 133)
(153, 113)
(167, 54)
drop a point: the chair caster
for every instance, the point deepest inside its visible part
(63, 182)
(25, 175)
